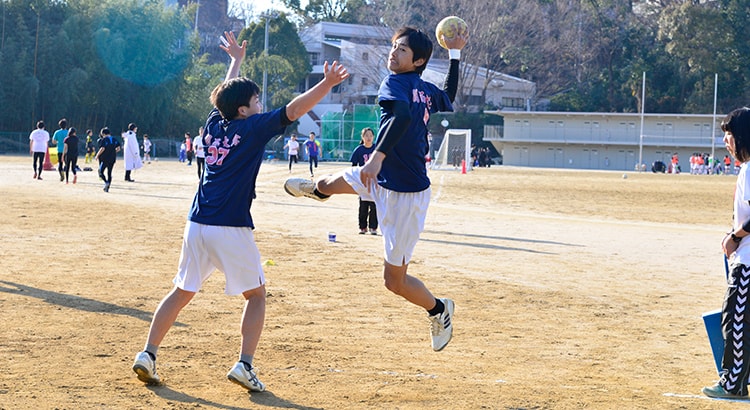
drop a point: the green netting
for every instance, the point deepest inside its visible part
(340, 131)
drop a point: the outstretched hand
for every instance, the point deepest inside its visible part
(335, 73)
(230, 45)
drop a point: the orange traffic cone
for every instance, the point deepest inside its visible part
(463, 166)
(47, 163)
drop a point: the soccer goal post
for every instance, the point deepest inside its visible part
(456, 146)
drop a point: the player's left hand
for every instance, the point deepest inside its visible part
(457, 42)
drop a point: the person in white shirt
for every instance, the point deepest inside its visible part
(293, 147)
(200, 153)
(38, 143)
(131, 152)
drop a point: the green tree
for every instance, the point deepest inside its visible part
(288, 63)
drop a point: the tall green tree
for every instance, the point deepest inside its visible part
(287, 63)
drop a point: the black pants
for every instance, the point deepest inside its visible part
(313, 159)
(292, 157)
(735, 325)
(367, 210)
(70, 163)
(201, 164)
(106, 166)
(60, 162)
(39, 158)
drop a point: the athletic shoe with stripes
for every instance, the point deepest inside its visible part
(298, 187)
(245, 377)
(145, 367)
(441, 326)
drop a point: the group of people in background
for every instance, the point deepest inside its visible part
(313, 149)
(705, 164)
(67, 144)
(480, 157)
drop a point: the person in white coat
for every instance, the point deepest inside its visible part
(131, 151)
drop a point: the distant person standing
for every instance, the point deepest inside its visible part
(293, 150)
(59, 138)
(107, 155)
(200, 153)
(131, 151)
(70, 155)
(90, 147)
(146, 149)
(312, 148)
(368, 214)
(189, 149)
(38, 144)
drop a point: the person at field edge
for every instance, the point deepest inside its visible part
(146, 149)
(735, 315)
(368, 213)
(70, 155)
(200, 153)
(293, 150)
(38, 145)
(395, 176)
(219, 230)
(59, 138)
(312, 148)
(131, 152)
(107, 156)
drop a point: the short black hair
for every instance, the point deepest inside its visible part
(40, 125)
(105, 131)
(419, 43)
(232, 94)
(737, 123)
(132, 127)
(63, 123)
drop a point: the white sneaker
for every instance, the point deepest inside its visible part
(441, 326)
(145, 368)
(245, 378)
(298, 187)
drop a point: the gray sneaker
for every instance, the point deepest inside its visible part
(441, 326)
(298, 187)
(718, 392)
(145, 368)
(245, 378)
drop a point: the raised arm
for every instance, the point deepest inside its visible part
(235, 51)
(455, 45)
(300, 105)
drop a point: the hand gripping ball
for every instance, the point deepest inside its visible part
(450, 27)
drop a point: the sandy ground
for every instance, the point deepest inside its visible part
(573, 290)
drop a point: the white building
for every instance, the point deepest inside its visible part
(364, 50)
(589, 140)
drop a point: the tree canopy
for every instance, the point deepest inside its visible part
(111, 62)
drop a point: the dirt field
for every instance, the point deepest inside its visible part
(573, 290)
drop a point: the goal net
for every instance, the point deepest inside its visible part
(456, 146)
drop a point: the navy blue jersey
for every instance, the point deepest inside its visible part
(234, 152)
(110, 145)
(404, 167)
(361, 154)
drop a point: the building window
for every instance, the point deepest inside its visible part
(365, 56)
(513, 102)
(364, 82)
(314, 58)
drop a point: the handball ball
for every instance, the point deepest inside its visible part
(450, 27)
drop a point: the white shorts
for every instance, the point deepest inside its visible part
(229, 249)
(401, 216)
